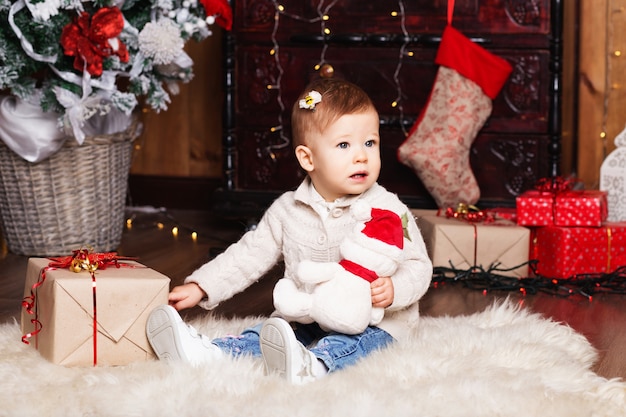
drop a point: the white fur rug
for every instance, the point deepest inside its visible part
(500, 362)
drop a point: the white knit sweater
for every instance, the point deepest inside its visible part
(291, 230)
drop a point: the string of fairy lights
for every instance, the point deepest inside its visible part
(397, 103)
(613, 92)
(149, 217)
(491, 279)
(163, 217)
(324, 18)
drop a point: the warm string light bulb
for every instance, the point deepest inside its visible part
(176, 232)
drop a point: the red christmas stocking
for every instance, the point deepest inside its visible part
(438, 145)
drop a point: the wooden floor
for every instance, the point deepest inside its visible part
(602, 321)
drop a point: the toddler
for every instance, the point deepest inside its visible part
(335, 131)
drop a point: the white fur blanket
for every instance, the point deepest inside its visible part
(504, 361)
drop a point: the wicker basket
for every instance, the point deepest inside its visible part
(74, 199)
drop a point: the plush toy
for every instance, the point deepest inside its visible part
(341, 299)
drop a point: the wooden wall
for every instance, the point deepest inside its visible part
(185, 141)
(601, 84)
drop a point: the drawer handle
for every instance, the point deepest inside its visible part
(374, 39)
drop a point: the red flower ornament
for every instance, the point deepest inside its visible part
(91, 39)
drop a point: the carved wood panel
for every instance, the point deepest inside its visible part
(493, 17)
(521, 106)
(517, 145)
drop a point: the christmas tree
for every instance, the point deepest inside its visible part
(80, 58)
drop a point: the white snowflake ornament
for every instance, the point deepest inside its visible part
(613, 179)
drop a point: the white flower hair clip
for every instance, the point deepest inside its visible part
(310, 100)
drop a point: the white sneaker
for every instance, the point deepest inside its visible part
(284, 354)
(174, 340)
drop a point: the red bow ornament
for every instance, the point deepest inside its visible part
(469, 213)
(90, 39)
(554, 185)
(84, 260)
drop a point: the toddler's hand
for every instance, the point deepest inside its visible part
(382, 292)
(186, 296)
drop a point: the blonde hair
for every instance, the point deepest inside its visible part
(339, 97)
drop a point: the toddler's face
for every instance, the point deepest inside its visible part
(346, 155)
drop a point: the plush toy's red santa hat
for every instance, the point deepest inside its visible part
(385, 226)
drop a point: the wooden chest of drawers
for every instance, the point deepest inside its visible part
(388, 48)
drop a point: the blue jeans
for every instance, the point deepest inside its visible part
(336, 350)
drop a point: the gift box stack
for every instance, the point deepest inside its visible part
(570, 234)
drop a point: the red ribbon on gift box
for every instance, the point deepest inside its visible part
(554, 186)
(472, 215)
(80, 260)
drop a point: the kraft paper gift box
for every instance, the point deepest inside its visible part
(564, 252)
(463, 245)
(580, 208)
(64, 306)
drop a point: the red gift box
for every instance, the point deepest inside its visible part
(563, 252)
(578, 208)
(535, 208)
